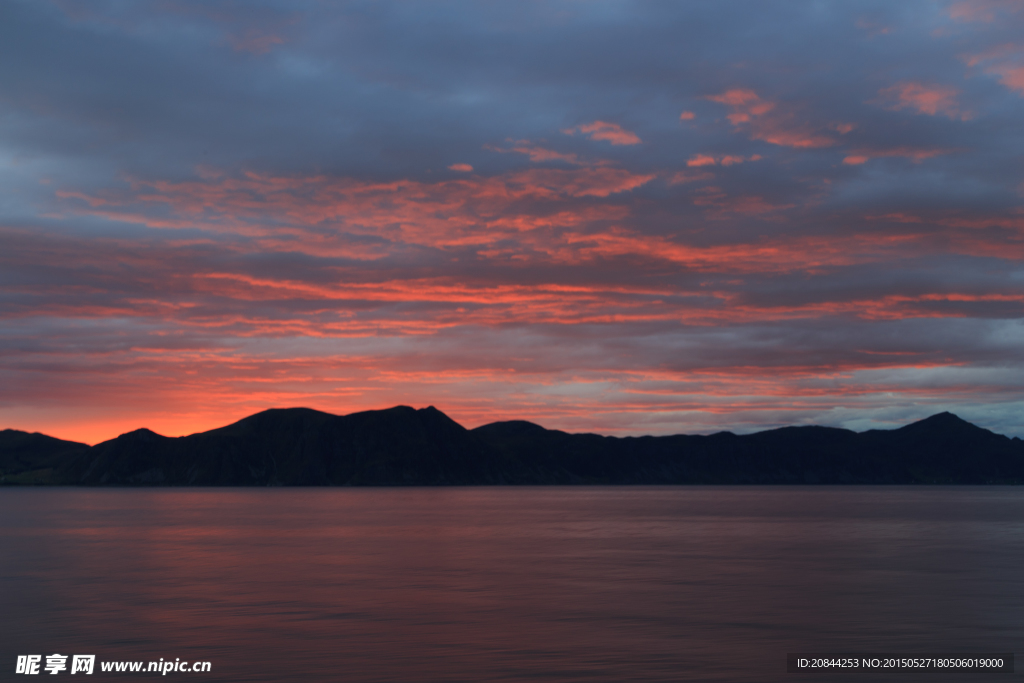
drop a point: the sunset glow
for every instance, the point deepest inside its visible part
(620, 218)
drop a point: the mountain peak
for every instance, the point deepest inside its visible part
(943, 420)
(142, 434)
(945, 416)
(947, 428)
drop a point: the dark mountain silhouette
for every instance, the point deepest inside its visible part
(31, 458)
(298, 446)
(406, 447)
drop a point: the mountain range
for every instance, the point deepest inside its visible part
(403, 446)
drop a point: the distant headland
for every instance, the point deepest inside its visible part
(403, 446)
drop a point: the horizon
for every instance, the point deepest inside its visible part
(470, 428)
(619, 218)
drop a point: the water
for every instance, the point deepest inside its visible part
(509, 584)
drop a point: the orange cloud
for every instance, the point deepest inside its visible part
(1005, 61)
(767, 256)
(541, 154)
(689, 177)
(982, 10)
(915, 154)
(873, 28)
(925, 99)
(1012, 221)
(477, 213)
(769, 121)
(596, 182)
(400, 335)
(687, 116)
(189, 393)
(1010, 76)
(254, 42)
(701, 160)
(322, 215)
(521, 219)
(464, 168)
(727, 160)
(715, 198)
(610, 132)
(745, 104)
(896, 217)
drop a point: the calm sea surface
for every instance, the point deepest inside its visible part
(510, 584)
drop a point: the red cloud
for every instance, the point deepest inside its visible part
(611, 132)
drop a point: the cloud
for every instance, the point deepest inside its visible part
(687, 116)
(924, 99)
(843, 128)
(1005, 61)
(873, 28)
(769, 121)
(542, 154)
(856, 157)
(1012, 76)
(723, 204)
(254, 42)
(683, 177)
(462, 168)
(982, 10)
(610, 132)
(725, 160)
(701, 160)
(440, 213)
(744, 103)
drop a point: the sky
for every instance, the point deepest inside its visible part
(617, 217)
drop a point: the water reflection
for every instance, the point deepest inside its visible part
(508, 584)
